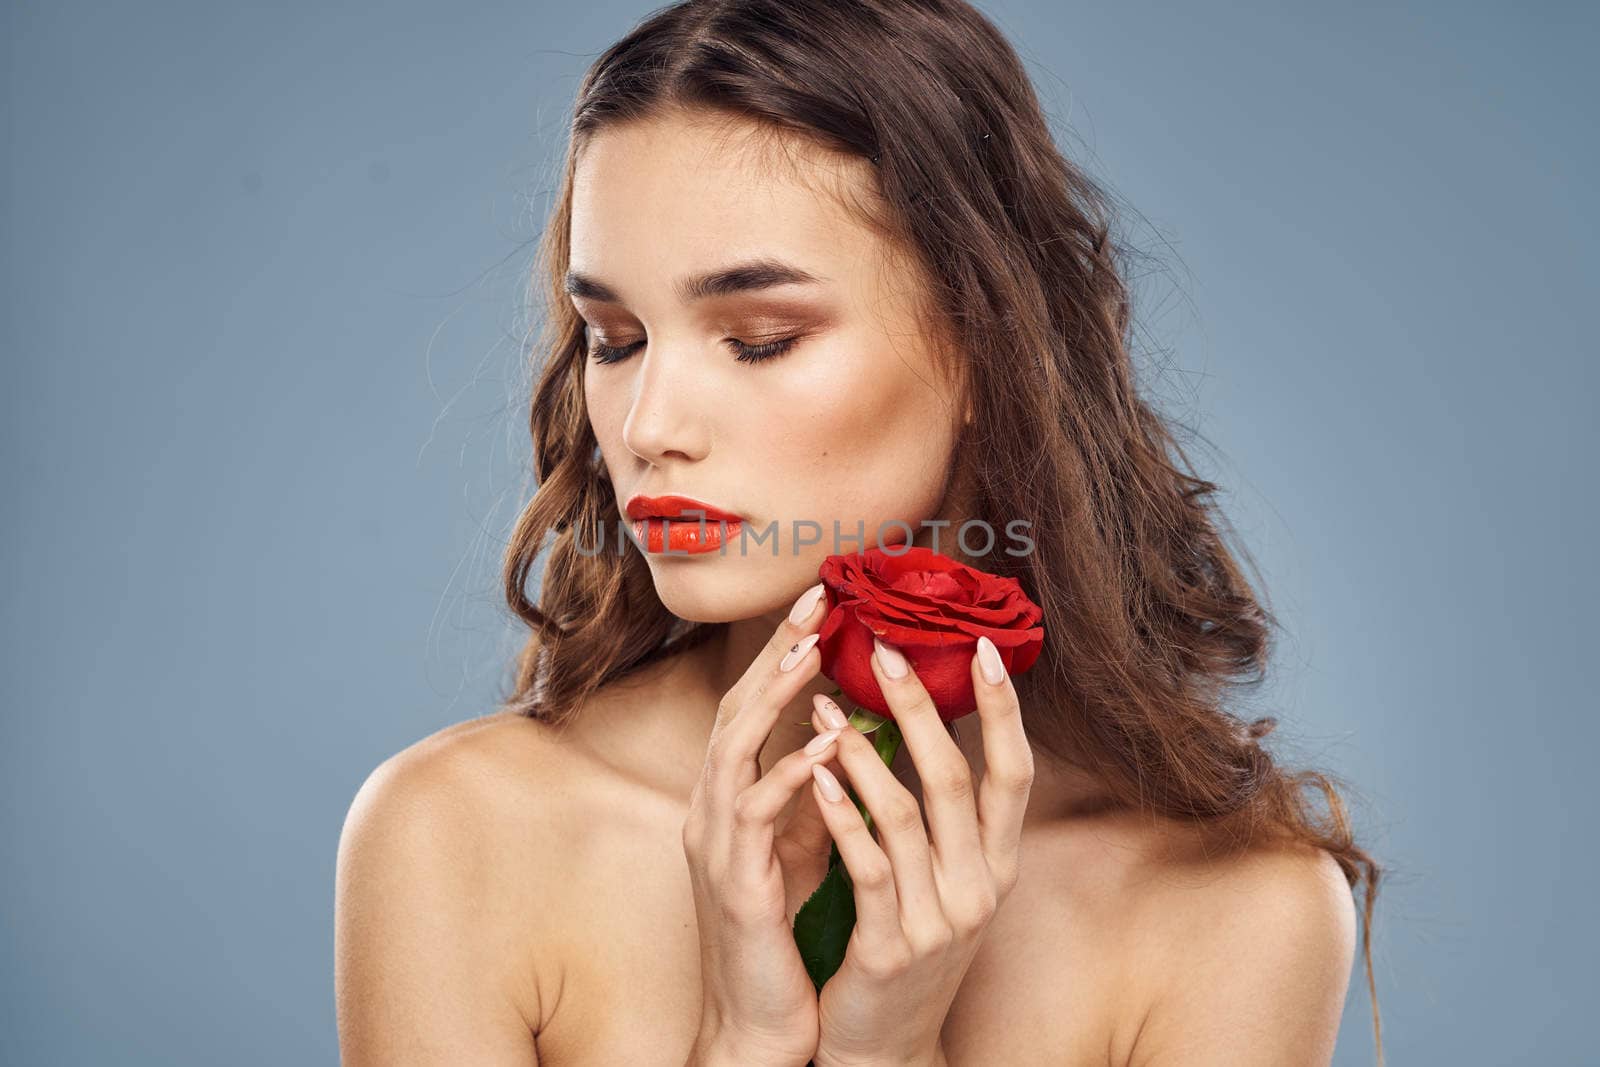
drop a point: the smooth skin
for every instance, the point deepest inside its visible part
(619, 889)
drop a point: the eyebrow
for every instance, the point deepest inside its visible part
(752, 276)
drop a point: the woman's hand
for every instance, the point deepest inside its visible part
(922, 908)
(759, 1006)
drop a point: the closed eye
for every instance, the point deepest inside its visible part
(760, 353)
(745, 353)
(603, 353)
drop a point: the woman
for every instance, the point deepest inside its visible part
(821, 262)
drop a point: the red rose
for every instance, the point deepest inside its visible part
(933, 610)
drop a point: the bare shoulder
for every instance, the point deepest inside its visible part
(1245, 952)
(442, 873)
(466, 786)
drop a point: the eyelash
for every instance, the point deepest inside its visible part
(604, 354)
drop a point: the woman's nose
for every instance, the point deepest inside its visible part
(665, 418)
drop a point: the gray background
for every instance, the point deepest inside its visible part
(263, 435)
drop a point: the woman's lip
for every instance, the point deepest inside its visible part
(672, 506)
(684, 537)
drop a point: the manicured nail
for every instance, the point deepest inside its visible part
(890, 659)
(830, 713)
(820, 742)
(827, 782)
(798, 652)
(994, 671)
(805, 605)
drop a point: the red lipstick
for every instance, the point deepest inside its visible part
(674, 523)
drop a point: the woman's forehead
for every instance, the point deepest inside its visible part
(683, 195)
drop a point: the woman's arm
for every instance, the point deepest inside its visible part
(430, 964)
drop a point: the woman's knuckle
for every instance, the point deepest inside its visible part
(977, 911)
(903, 814)
(1005, 879)
(955, 781)
(890, 961)
(932, 939)
(732, 909)
(874, 874)
(1020, 780)
(746, 809)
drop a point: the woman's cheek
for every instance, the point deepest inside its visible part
(607, 426)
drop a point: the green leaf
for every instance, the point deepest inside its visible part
(822, 925)
(865, 721)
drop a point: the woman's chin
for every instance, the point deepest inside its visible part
(728, 589)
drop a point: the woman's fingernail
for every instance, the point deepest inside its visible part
(798, 652)
(890, 659)
(827, 782)
(820, 742)
(805, 605)
(994, 671)
(830, 713)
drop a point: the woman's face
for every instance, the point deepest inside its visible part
(848, 421)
